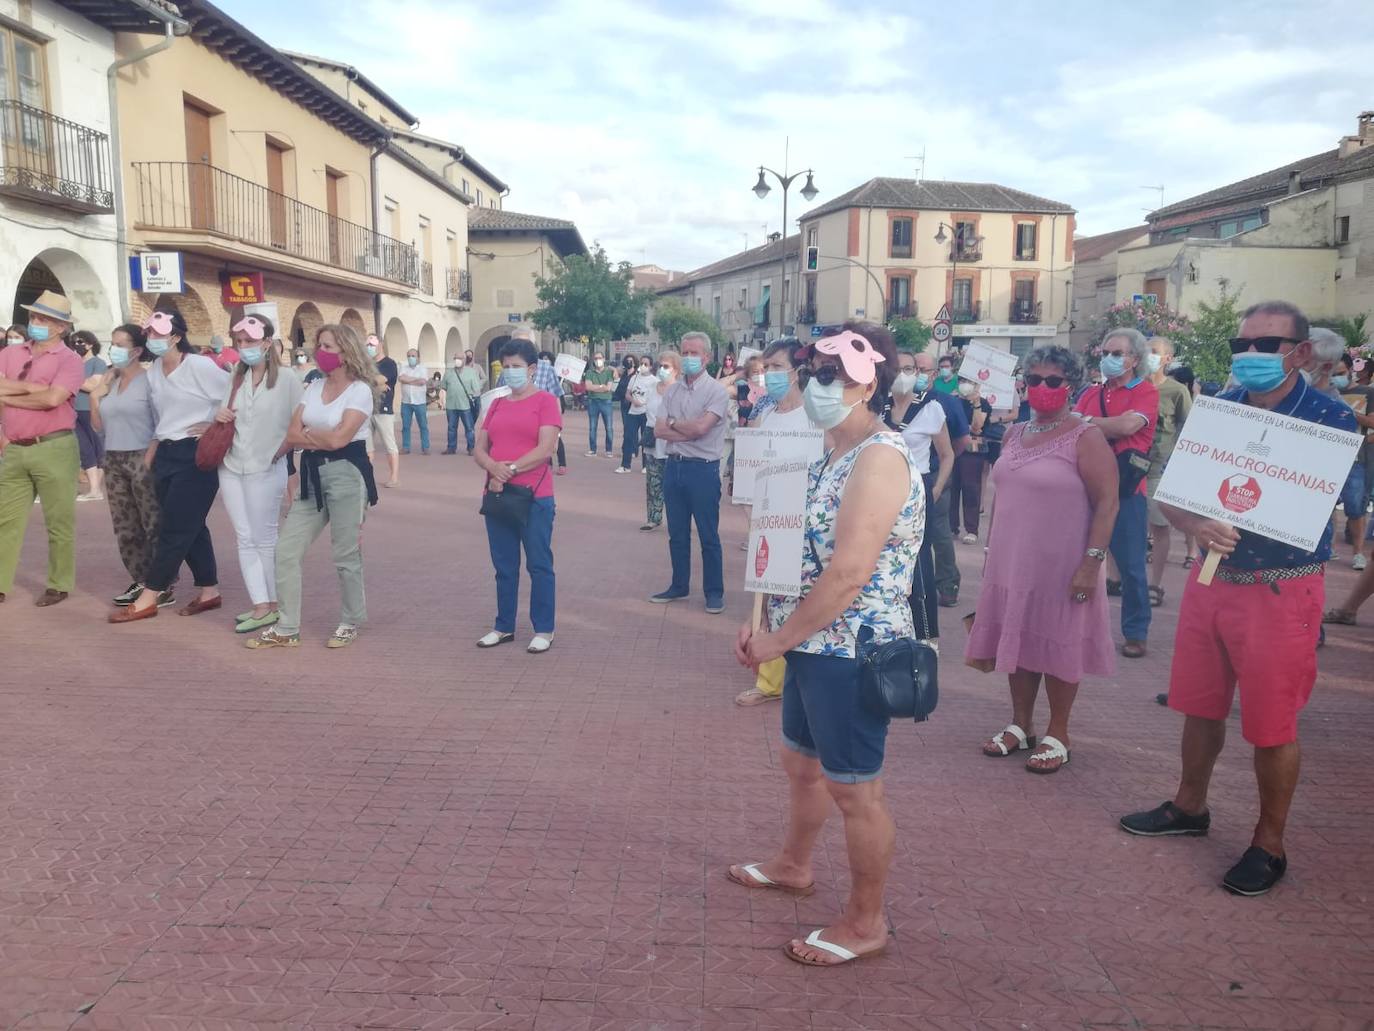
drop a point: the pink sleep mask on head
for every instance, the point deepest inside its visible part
(251, 327)
(856, 354)
(159, 322)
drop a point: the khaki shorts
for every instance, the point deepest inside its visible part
(384, 426)
(1152, 479)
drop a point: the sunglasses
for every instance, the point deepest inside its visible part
(1264, 345)
(825, 375)
(1034, 379)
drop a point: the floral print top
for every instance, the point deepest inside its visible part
(884, 603)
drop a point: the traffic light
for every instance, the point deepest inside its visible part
(813, 258)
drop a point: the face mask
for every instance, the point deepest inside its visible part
(1112, 366)
(412, 361)
(599, 362)
(14, 341)
(1259, 372)
(1048, 399)
(216, 346)
(517, 378)
(904, 382)
(81, 349)
(777, 384)
(825, 405)
(39, 333)
(966, 389)
(157, 346)
(644, 370)
(371, 351)
(328, 361)
(691, 364)
(457, 363)
(1340, 382)
(922, 381)
(119, 356)
(758, 381)
(300, 360)
(1153, 363)
(251, 356)
(664, 374)
(946, 374)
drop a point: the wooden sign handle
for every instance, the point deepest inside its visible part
(1209, 568)
(756, 621)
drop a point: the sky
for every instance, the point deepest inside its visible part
(645, 121)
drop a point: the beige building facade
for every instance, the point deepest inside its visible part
(1095, 279)
(1000, 258)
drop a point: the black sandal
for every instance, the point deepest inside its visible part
(1114, 588)
(1156, 597)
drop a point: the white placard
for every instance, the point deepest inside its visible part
(267, 310)
(756, 448)
(777, 529)
(1269, 474)
(745, 353)
(486, 400)
(565, 366)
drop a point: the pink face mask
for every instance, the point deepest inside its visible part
(327, 361)
(159, 322)
(251, 327)
(856, 354)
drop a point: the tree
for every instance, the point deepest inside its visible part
(1206, 345)
(1355, 331)
(911, 334)
(588, 297)
(672, 318)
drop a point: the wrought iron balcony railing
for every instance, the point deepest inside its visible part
(806, 315)
(965, 311)
(189, 196)
(52, 160)
(910, 310)
(969, 252)
(458, 285)
(1026, 312)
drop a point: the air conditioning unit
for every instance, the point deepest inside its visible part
(371, 264)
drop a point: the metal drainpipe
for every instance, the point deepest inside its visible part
(170, 26)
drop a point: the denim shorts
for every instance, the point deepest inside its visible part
(1353, 494)
(824, 718)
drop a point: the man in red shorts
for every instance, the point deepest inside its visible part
(1255, 627)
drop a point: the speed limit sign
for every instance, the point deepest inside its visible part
(941, 332)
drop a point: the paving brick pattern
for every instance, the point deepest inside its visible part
(412, 833)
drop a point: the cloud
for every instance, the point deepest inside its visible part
(645, 120)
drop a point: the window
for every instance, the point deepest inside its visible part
(744, 297)
(393, 217)
(23, 71)
(968, 245)
(467, 187)
(1025, 241)
(900, 245)
(963, 296)
(813, 236)
(715, 308)
(1238, 225)
(426, 240)
(786, 291)
(1343, 229)
(899, 297)
(479, 197)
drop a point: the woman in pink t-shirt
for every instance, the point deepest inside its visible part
(517, 438)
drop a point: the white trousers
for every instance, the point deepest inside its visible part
(254, 506)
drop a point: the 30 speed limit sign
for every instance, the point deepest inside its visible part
(940, 332)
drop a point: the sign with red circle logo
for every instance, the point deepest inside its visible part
(1239, 493)
(761, 557)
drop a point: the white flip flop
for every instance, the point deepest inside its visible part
(844, 955)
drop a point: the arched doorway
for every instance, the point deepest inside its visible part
(71, 275)
(199, 326)
(304, 324)
(490, 343)
(429, 347)
(396, 340)
(349, 317)
(453, 345)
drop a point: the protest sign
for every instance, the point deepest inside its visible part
(486, 400)
(994, 371)
(777, 529)
(755, 448)
(1259, 471)
(745, 353)
(565, 366)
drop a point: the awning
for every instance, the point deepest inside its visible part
(761, 309)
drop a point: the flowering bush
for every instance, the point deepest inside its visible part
(1151, 318)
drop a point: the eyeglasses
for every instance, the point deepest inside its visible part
(1034, 379)
(1264, 345)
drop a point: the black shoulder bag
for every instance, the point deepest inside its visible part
(1132, 464)
(512, 503)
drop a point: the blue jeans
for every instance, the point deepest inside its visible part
(505, 541)
(634, 429)
(599, 408)
(417, 412)
(1128, 549)
(691, 491)
(454, 415)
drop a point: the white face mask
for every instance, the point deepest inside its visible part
(904, 383)
(825, 405)
(758, 380)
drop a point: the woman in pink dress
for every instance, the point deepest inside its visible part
(1042, 609)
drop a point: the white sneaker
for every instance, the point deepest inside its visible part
(620, 469)
(494, 638)
(970, 538)
(590, 454)
(1359, 563)
(645, 471)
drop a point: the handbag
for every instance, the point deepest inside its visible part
(512, 503)
(217, 439)
(1132, 464)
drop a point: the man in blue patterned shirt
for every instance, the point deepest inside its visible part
(1255, 627)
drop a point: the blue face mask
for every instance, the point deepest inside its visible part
(1112, 366)
(157, 347)
(691, 365)
(922, 381)
(777, 384)
(251, 356)
(516, 378)
(412, 361)
(38, 333)
(1340, 382)
(119, 356)
(1258, 372)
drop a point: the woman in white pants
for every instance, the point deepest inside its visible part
(252, 480)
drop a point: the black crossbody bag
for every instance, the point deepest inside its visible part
(512, 503)
(1132, 465)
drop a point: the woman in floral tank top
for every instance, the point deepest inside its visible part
(864, 520)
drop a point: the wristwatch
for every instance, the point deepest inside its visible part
(1098, 553)
(511, 467)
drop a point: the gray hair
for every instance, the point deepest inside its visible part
(523, 333)
(1140, 347)
(1327, 344)
(672, 357)
(697, 334)
(1301, 327)
(1061, 358)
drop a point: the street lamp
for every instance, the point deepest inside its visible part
(953, 257)
(809, 192)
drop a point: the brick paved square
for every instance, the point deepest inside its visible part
(413, 833)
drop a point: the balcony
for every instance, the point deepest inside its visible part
(806, 315)
(963, 312)
(458, 287)
(967, 253)
(910, 310)
(427, 278)
(50, 160)
(1026, 313)
(209, 202)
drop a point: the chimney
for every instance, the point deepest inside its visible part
(1364, 136)
(1294, 182)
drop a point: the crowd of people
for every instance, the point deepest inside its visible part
(913, 456)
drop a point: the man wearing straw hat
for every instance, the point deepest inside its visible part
(38, 380)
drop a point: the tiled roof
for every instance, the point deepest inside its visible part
(353, 73)
(125, 15)
(939, 195)
(461, 153)
(1313, 172)
(1090, 248)
(491, 220)
(769, 253)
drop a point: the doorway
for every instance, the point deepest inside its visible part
(276, 200)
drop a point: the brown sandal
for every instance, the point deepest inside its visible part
(758, 880)
(1339, 616)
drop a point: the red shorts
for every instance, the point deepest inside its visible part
(1259, 636)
